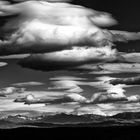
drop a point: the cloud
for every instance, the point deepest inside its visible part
(2, 64)
(69, 84)
(32, 83)
(124, 36)
(132, 57)
(30, 99)
(109, 109)
(77, 97)
(10, 90)
(68, 59)
(126, 81)
(97, 98)
(16, 56)
(46, 0)
(107, 68)
(89, 110)
(62, 26)
(67, 78)
(110, 93)
(113, 92)
(107, 97)
(121, 67)
(134, 98)
(71, 91)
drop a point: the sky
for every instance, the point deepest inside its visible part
(69, 59)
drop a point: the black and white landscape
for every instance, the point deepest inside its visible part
(69, 63)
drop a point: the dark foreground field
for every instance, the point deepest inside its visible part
(109, 133)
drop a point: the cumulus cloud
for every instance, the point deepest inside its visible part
(73, 92)
(10, 90)
(134, 98)
(113, 92)
(68, 59)
(107, 97)
(62, 26)
(72, 86)
(32, 83)
(97, 98)
(30, 99)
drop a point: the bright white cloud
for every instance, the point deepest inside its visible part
(107, 97)
(31, 83)
(134, 98)
(77, 98)
(63, 25)
(2, 64)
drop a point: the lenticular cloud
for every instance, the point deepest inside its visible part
(68, 59)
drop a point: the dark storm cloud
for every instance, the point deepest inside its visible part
(127, 81)
(62, 26)
(68, 59)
